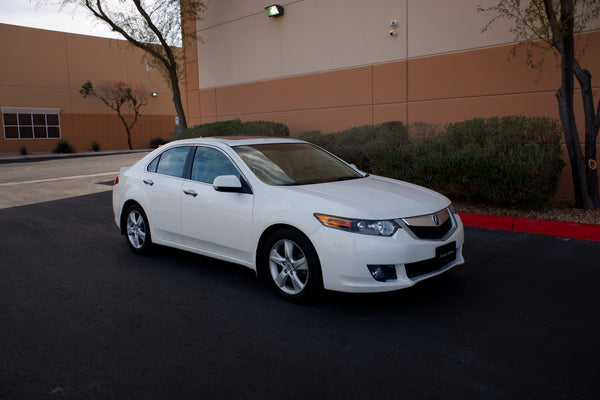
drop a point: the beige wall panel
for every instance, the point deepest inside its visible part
(93, 59)
(151, 81)
(162, 104)
(36, 97)
(312, 36)
(194, 109)
(331, 89)
(223, 11)
(33, 57)
(436, 27)
(208, 102)
(589, 44)
(389, 82)
(452, 110)
(325, 120)
(191, 74)
(389, 112)
(477, 73)
(207, 120)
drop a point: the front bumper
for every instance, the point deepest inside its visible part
(345, 258)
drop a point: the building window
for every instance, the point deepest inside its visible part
(31, 123)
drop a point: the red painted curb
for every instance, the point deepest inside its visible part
(530, 225)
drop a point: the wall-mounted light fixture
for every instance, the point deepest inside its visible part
(274, 10)
(154, 94)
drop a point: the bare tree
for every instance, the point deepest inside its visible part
(552, 25)
(153, 26)
(119, 96)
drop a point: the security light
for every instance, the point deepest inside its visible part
(274, 10)
(154, 94)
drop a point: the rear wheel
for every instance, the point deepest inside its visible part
(137, 230)
(292, 265)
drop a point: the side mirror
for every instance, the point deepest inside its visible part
(227, 183)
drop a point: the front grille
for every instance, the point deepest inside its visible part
(432, 232)
(424, 267)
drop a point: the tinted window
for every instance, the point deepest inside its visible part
(152, 166)
(172, 161)
(210, 163)
(294, 164)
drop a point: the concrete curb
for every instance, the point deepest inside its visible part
(6, 159)
(530, 225)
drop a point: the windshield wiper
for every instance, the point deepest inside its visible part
(346, 178)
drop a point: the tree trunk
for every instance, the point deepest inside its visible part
(566, 108)
(177, 96)
(129, 139)
(592, 124)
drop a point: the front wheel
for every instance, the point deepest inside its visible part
(292, 265)
(137, 230)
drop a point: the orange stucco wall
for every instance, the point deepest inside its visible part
(435, 89)
(45, 69)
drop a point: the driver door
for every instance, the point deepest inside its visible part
(214, 222)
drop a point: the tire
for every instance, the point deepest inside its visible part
(137, 230)
(292, 266)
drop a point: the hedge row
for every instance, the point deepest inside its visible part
(510, 161)
(234, 127)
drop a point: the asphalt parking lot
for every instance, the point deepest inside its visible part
(82, 317)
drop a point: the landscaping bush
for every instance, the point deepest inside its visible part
(355, 144)
(23, 151)
(510, 161)
(95, 147)
(309, 136)
(235, 128)
(157, 142)
(63, 147)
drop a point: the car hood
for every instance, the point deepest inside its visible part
(377, 197)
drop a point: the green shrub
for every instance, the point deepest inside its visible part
(264, 128)
(23, 150)
(95, 147)
(157, 142)
(355, 144)
(510, 161)
(63, 147)
(309, 136)
(235, 128)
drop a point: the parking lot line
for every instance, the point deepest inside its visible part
(58, 179)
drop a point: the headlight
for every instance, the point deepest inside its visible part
(366, 227)
(452, 209)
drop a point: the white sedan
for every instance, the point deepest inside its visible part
(294, 213)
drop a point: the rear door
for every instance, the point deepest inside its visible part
(162, 184)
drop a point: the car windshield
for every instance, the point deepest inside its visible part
(294, 164)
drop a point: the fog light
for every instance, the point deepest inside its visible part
(382, 273)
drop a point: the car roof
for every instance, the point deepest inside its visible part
(238, 140)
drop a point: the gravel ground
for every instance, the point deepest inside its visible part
(557, 209)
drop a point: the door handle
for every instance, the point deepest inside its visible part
(148, 182)
(192, 193)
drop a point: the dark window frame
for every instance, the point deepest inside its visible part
(20, 123)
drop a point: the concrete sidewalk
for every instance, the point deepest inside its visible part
(12, 157)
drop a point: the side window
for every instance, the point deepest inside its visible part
(171, 162)
(152, 166)
(210, 163)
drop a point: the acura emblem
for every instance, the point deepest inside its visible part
(436, 219)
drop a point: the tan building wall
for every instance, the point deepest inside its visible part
(45, 69)
(331, 64)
